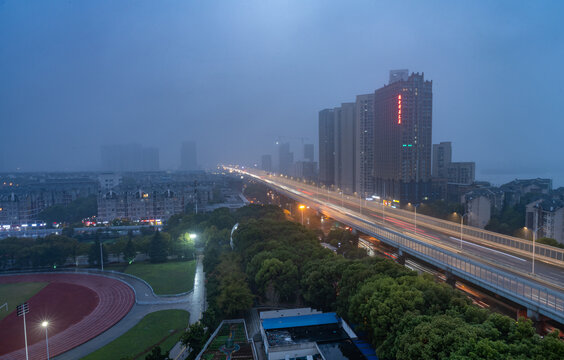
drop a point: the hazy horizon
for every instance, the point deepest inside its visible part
(237, 76)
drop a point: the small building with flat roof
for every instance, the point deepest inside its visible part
(309, 334)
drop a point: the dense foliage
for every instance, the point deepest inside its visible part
(404, 315)
(74, 212)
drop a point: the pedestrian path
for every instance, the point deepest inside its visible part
(146, 302)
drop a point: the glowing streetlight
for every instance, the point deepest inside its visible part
(302, 207)
(193, 236)
(534, 240)
(45, 324)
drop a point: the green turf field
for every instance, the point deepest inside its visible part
(166, 278)
(16, 294)
(150, 331)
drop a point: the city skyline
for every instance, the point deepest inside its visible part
(77, 76)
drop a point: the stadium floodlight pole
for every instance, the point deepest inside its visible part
(45, 324)
(101, 257)
(21, 310)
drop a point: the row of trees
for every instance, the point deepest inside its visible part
(404, 315)
(59, 250)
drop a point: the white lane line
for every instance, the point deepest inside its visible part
(487, 248)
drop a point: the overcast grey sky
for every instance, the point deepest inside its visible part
(235, 75)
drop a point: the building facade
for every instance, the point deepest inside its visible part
(345, 146)
(442, 157)
(327, 147)
(545, 217)
(266, 162)
(308, 152)
(285, 159)
(365, 144)
(403, 138)
(188, 156)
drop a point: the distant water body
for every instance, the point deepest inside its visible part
(500, 179)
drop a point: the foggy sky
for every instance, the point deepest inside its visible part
(236, 75)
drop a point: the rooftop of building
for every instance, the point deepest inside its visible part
(229, 341)
(487, 192)
(520, 183)
(325, 333)
(300, 321)
(548, 204)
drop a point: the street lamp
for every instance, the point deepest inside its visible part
(534, 240)
(45, 324)
(415, 217)
(302, 207)
(461, 225)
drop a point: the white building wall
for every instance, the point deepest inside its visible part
(479, 211)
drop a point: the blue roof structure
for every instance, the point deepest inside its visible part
(299, 321)
(366, 349)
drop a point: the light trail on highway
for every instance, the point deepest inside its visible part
(516, 262)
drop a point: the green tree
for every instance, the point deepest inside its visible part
(94, 253)
(72, 213)
(157, 248)
(194, 338)
(156, 354)
(129, 251)
(277, 279)
(550, 241)
(234, 297)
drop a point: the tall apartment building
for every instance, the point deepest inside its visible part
(308, 152)
(285, 159)
(442, 157)
(129, 157)
(403, 138)
(364, 119)
(266, 162)
(188, 156)
(327, 147)
(345, 146)
(461, 173)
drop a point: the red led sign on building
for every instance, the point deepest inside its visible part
(399, 109)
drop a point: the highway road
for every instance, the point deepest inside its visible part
(516, 261)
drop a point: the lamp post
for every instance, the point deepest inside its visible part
(461, 225)
(415, 218)
(302, 207)
(534, 240)
(383, 213)
(45, 324)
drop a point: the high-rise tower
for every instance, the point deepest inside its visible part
(188, 157)
(403, 138)
(327, 147)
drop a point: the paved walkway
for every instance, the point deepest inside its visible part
(146, 303)
(197, 307)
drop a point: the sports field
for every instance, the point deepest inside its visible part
(167, 278)
(162, 328)
(77, 307)
(16, 294)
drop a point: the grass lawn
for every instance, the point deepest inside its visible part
(150, 331)
(166, 278)
(16, 294)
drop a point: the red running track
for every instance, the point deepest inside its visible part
(87, 305)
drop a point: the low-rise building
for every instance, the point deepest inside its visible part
(308, 334)
(480, 204)
(545, 217)
(517, 188)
